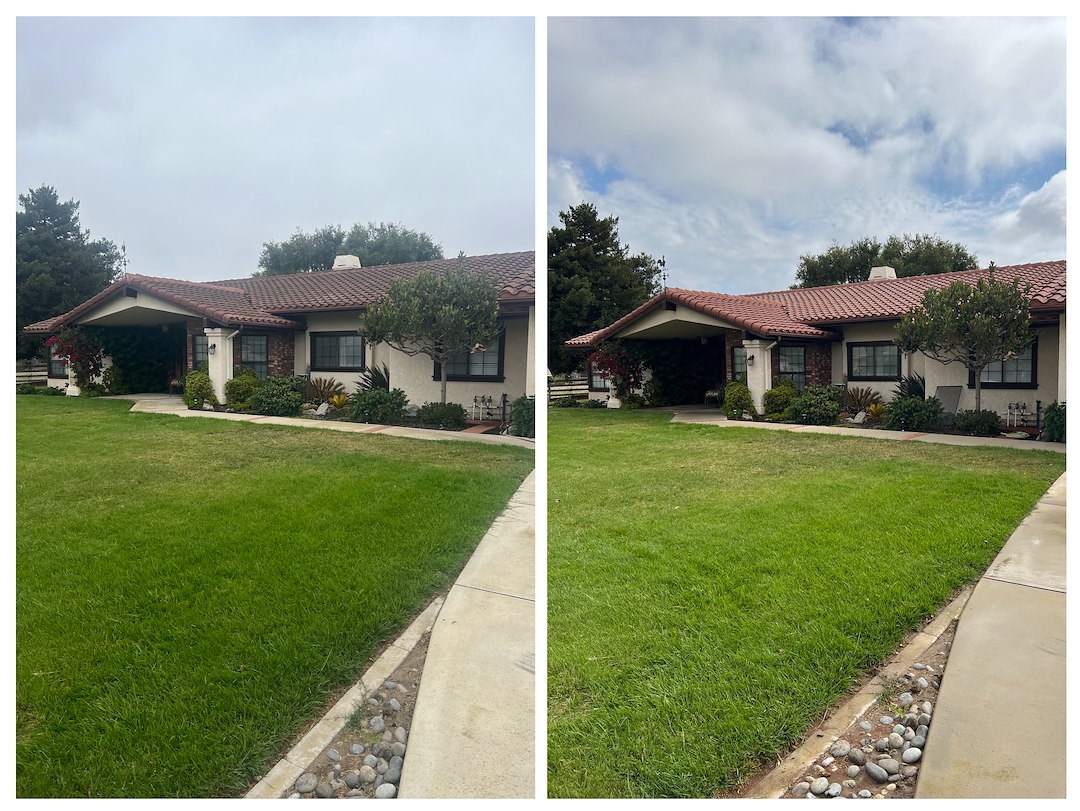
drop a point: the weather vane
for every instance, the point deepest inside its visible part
(663, 272)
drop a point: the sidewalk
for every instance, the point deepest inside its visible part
(473, 732)
(999, 724)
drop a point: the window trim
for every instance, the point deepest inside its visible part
(1033, 384)
(336, 334)
(266, 339)
(496, 378)
(850, 366)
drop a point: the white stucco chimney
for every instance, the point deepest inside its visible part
(346, 262)
(884, 272)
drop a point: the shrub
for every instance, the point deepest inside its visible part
(815, 405)
(523, 417)
(913, 414)
(27, 388)
(979, 423)
(378, 406)
(279, 396)
(198, 390)
(860, 398)
(778, 399)
(323, 388)
(633, 401)
(1054, 422)
(113, 381)
(912, 385)
(449, 416)
(737, 399)
(239, 390)
(374, 377)
(591, 403)
(564, 402)
(653, 393)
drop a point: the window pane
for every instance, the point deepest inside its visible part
(1017, 370)
(887, 361)
(253, 353)
(198, 350)
(738, 361)
(792, 359)
(350, 351)
(861, 364)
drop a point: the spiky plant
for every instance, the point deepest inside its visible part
(375, 377)
(323, 388)
(859, 398)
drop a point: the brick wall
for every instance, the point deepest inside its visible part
(732, 338)
(194, 327)
(279, 352)
(818, 362)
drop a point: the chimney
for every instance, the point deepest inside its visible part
(346, 262)
(877, 274)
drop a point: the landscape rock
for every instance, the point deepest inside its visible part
(819, 786)
(387, 791)
(306, 782)
(911, 755)
(877, 773)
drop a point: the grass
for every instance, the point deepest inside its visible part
(711, 592)
(190, 592)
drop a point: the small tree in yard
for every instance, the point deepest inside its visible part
(438, 315)
(973, 326)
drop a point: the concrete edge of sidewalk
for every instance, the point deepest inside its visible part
(282, 776)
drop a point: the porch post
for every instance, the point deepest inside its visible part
(530, 357)
(759, 370)
(219, 358)
(1061, 359)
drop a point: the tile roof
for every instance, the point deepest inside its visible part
(264, 301)
(808, 312)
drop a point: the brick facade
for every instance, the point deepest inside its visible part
(732, 339)
(279, 352)
(818, 362)
(194, 327)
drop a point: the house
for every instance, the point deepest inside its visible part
(307, 323)
(844, 334)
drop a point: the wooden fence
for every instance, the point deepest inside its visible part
(34, 374)
(575, 387)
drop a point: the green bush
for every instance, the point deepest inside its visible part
(375, 377)
(449, 416)
(737, 399)
(113, 381)
(778, 399)
(912, 385)
(633, 401)
(653, 393)
(28, 388)
(979, 423)
(860, 398)
(523, 417)
(198, 390)
(378, 406)
(913, 414)
(815, 405)
(239, 390)
(1054, 422)
(279, 396)
(564, 402)
(591, 403)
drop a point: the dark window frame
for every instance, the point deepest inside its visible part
(794, 377)
(735, 365)
(1032, 384)
(337, 334)
(499, 377)
(58, 367)
(254, 364)
(592, 376)
(850, 365)
(194, 352)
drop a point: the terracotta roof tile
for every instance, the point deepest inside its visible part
(804, 311)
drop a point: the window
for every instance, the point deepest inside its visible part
(874, 360)
(738, 362)
(597, 382)
(253, 354)
(198, 351)
(1018, 373)
(793, 365)
(486, 365)
(57, 366)
(337, 351)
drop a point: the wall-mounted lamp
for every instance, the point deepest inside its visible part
(749, 360)
(211, 349)
(704, 340)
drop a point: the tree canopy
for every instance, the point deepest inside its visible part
(57, 265)
(375, 244)
(438, 315)
(909, 255)
(971, 325)
(593, 280)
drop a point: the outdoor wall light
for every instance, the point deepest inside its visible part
(211, 349)
(749, 360)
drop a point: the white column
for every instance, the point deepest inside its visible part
(758, 370)
(219, 358)
(530, 357)
(1061, 359)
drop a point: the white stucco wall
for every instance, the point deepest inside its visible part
(118, 304)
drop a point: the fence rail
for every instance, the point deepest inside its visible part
(34, 374)
(576, 387)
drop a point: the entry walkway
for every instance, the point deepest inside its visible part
(171, 404)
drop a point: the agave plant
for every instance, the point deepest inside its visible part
(875, 412)
(374, 377)
(339, 400)
(323, 388)
(859, 398)
(913, 385)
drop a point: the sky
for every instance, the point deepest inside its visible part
(194, 141)
(733, 146)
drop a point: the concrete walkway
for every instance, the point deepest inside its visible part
(171, 404)
(999, 724)
(698, 415)
(473, 730)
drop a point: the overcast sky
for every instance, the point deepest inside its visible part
(194, 141)
(733, 146)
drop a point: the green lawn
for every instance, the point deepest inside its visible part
(190, 592)
(711, 592)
